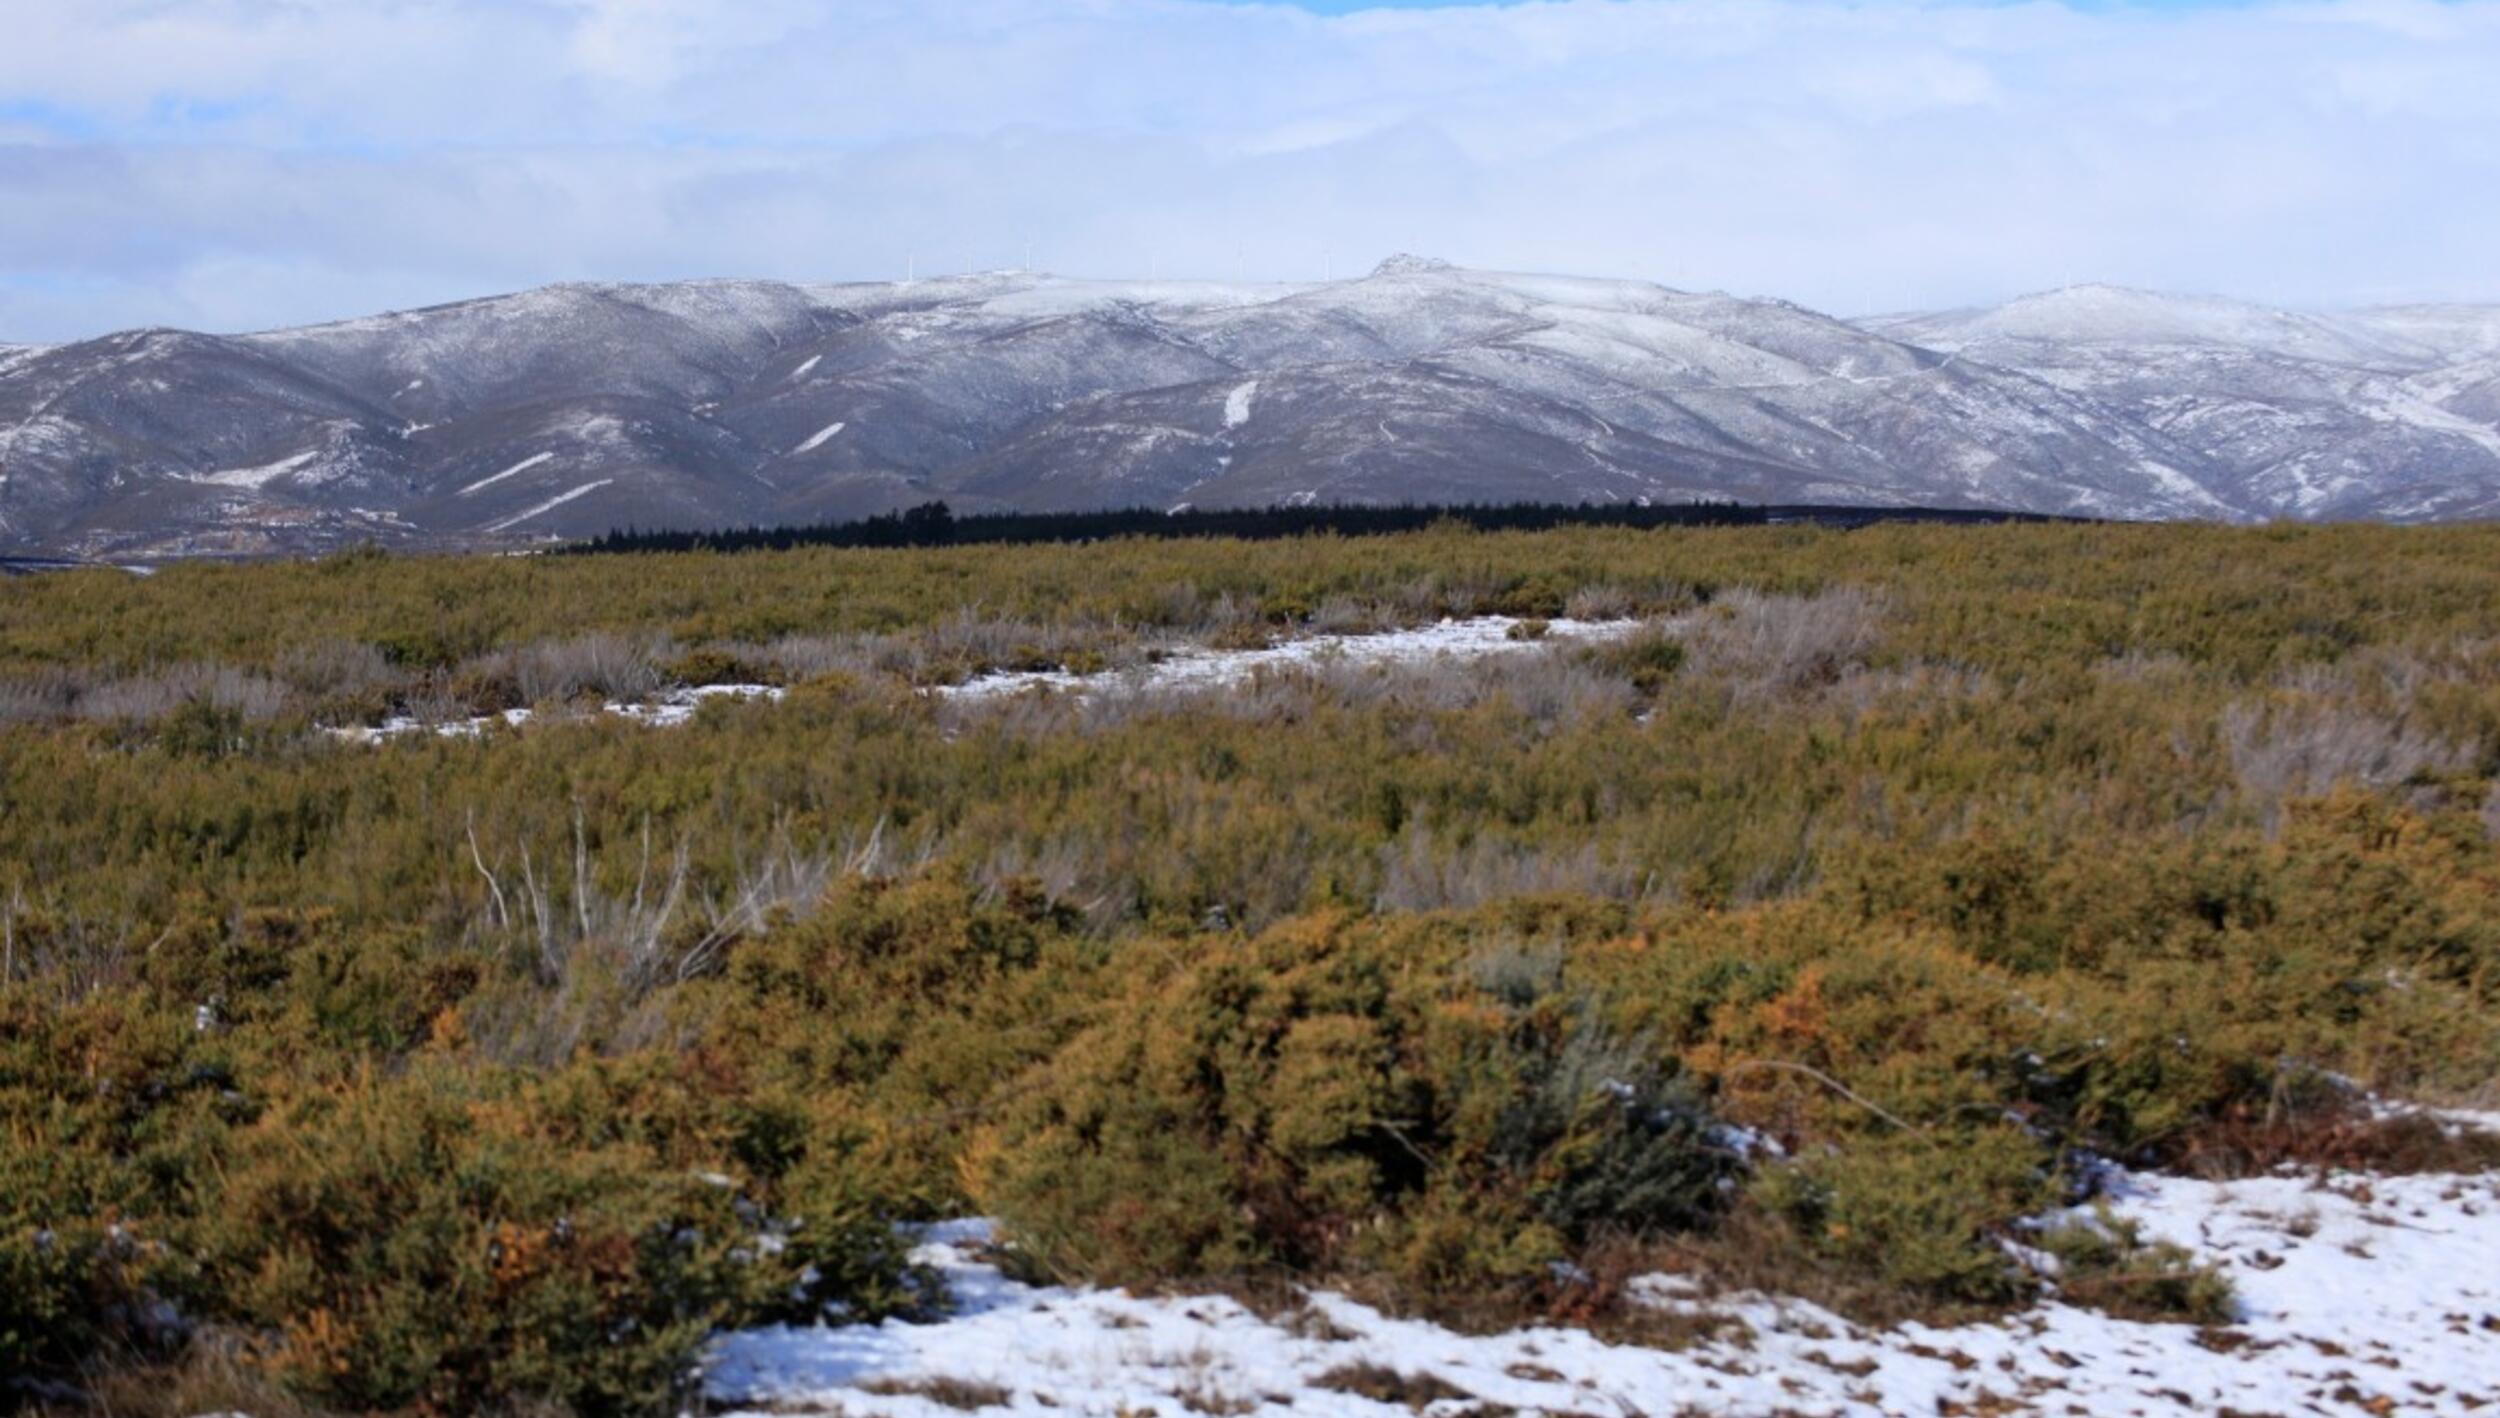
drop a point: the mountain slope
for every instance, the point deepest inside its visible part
(2375, 414)
(574, 409)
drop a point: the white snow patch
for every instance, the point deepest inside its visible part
(676, 706)
(2361, 1294)
(819, 439)
(2399, 405)
(2179, 485)
(261, 476)
(810, 363)
(1237, 404)
(515, 470)
(401, 725)
(1222, 669)
(550, 505)
(670, 709)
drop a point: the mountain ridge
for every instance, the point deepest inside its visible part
(568, 410)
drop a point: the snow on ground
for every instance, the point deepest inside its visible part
(1218, 669)
(550, 505)
(515, 470)
(819, 439)
(670, 709)
(1237, 404)
(2397, 404)
(262, 475)
(2360, 1295)
(1187, 669)
(1184, 670)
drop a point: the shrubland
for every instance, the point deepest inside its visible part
(1819, 935)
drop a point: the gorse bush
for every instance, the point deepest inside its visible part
(2104, 1261)
(1329, 1100)
(1811, 933)
(405, 1245)
(1919, 1213)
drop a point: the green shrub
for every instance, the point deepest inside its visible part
(1920, 1213)
(1649, 658)
(1329, 1099)
(1939, 828)
(453, 1242)
(708, 665)
(2103, 1261)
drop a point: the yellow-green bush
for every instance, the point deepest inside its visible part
(1934, 854)
(1336, 1097)
(450, 1242)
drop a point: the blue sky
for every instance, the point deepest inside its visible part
(230, 164)
(1347, 7)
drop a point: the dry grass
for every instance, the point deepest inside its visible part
(1420, 872)
(2349, 1138)
(209, 1376)
(1552, 686)
(603, 956)
(339, 669)
(150, 698)
(963, 1395)
(602, 666)
(72, 957)
(1382, 1384)
(44, 696)
(1344, 615)
(1602, 602)
(2306, 747)
(1764, 646)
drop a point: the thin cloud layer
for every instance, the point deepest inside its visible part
(238, 163)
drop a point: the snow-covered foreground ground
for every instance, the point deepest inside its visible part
(1193, 668)
(1471, 639)
(2360, 1295)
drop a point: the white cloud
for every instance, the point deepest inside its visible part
(241, 162)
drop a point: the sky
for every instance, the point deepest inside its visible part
(240, 164)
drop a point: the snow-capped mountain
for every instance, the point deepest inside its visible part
(2377, 413)
(575, 409)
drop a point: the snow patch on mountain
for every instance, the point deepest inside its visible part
(532, 461)
(2398, 404)
(1419, 381)
(820, 438)
(2087, 315)
(262, 475)
(550, 505)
